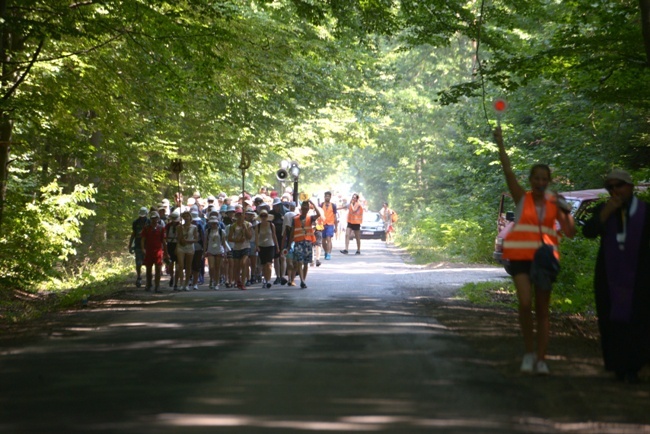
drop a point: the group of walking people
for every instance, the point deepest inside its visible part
(622, 276)
(242, 239)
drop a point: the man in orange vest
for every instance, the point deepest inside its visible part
(331, 221)
(355, 217)
(303, 239)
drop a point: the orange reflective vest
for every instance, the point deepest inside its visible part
(355, 215)
(328, 210)
(524, 238)
(303, 231)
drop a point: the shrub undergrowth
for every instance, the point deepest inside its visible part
(471, 240)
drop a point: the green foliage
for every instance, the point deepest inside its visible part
(574, 290)
(44, 232)
(387, 97)
(440, 234)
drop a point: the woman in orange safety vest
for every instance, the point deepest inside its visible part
(303, 238)
(355, 217)
(537, 212)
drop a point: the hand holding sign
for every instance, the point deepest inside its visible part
(500, 106)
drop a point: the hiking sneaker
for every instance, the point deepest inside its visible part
(541, 368)
(345, 252)
(528, 363)
(358, 253)
(138, 282)
(303, 285)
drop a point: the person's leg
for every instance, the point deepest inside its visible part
(252, 259)
(188, 268)
(283, 267)
(139, 257)
(218, 259)
(348, 234)
(158, 271)
(180, 268)
(317, 254)
(148, 269)
(357, 236)
(542, 302)
(212, 271)
(327, 244)
(197, 264)
(524, 295)
(231, 270)
(245, 269)
(278, 269)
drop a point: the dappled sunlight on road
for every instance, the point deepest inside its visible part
(370, 423)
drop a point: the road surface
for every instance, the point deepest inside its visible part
(355, 352)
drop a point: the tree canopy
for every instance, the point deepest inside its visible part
(390, 97)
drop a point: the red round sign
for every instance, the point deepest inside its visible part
(500, 105)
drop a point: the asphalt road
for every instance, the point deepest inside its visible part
(355, 352)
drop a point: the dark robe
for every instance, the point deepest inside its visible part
(622, 287)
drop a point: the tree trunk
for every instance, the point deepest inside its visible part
(6, 125)
(645, 27)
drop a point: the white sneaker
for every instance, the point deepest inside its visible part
(528, 363)
(216, 287)
(196, 287)
(541, 368)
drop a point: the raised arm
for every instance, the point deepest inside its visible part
(516, 190)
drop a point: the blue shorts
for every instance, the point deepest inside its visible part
(328, 231)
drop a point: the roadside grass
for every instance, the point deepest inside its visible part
(88, 279)
(497, 293)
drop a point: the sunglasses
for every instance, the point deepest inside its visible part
(610, 187)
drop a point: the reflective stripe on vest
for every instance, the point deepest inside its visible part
(524, 238)
(355, 216)
(303, 232)
(330, 218)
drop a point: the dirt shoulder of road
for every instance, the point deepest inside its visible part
(578, 386)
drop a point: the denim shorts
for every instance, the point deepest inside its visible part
(240, 254)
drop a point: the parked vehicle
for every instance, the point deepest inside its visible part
(582, 202)
(372, 226)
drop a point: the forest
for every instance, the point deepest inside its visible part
(390, 98)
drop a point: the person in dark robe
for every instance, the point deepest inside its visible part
(622, 277)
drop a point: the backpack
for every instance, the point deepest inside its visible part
(394, 217)
(201, 229)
